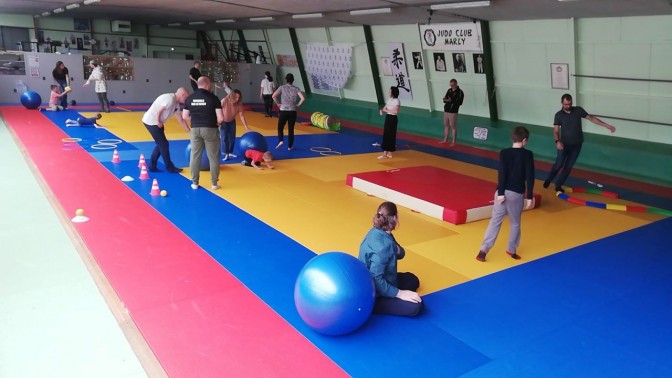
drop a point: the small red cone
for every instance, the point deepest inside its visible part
(155, 188)
(141, 162)
(115, 157)
(143, 173)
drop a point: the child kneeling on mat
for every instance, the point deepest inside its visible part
(254, 157)
(55, 99)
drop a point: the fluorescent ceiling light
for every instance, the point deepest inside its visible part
(227, 21)
(175, 24)
(308, 15)
(196, 23)
(466, 4)
(370, 11)
(89, 2)
(45, 14)
(59, 10)
(261, 19)
(72, 6)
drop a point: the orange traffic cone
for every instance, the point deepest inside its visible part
(115, 157)
(141, 162)
(143, 173)
(155, 188)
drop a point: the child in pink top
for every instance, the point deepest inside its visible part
(55, 99)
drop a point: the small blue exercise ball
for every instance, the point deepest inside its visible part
(334, 293)
(205, 163)
(252, 140)
(31, 100)
(112, 103)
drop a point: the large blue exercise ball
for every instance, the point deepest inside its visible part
(251, 140)
(205, 163)
(31, 100)
(334, 293)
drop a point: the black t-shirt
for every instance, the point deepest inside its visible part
(570, 124)
(201, 106)
(516, 171)
(195, 73)
(60, 76)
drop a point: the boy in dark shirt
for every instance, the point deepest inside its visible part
(516, 172)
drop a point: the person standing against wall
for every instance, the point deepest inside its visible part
(568, 136)
(98, 76)
(266, 93)
(287, 106)
(194, 74)
(451, 105)
(391, 109)
(62, 77)
(203, 109)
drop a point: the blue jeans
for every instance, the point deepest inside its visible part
(565, 160)
(162, 147)
(227, 134)
(64, 98)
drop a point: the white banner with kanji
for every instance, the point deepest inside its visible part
(400, 70)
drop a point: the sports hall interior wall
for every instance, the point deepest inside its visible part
(522, 54)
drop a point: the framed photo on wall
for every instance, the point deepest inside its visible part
(559, 75)
(417, 60)
(82, 24)
(479, 65)
(387, 67)
(440, 62)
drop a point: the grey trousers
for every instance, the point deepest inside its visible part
(513, 207)
(204, 138)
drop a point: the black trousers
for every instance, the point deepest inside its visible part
(399, 307)
(389, 133)
(162, 147)
(268, 104)
(286, 117)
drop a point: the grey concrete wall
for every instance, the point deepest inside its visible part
(151, 77)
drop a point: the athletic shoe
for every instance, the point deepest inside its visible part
(559, 189)
(232, 156)
(215, 187)
(513, 255)
(194, 186)
(481, 256)
(226, 157)
(547, 183)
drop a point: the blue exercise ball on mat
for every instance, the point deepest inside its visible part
(252, 140)
(205, 163)
(334, 293)
(112, 103)
(31, 100)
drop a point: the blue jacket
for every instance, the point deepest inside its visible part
(380, 252)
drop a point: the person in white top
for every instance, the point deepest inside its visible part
(266, 93)
(98, 76)
(164, 107)
(390, 110)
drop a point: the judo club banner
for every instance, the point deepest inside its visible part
(465, 36)
(328, 66)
